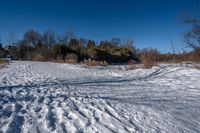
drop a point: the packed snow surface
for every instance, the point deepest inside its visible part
(38, 97)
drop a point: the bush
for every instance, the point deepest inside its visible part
(149, 57)
(147, 62)
(132, 62)
(95, 63)
(132, 67)
(38, 57)
(2, 63)
(71, 61)
(71, 56)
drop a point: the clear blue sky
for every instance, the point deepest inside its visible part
(149, 23)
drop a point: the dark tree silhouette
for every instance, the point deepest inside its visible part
(32, 38)
(49, 38)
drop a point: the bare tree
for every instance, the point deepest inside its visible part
(68, 35)
(128, 43)
(175, 51)
(82, 42)
(33, 38)
(1, 43)
(116, 41)
(191, 18)
(49, 38)
(66, 38)
(172, 45)
(192, 39)
(11, 39)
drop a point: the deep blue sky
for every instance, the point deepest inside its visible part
(150, 23)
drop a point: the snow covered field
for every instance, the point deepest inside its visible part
(49, 97)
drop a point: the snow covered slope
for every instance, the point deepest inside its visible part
(49, 97)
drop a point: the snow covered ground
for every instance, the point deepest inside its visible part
(49, 97)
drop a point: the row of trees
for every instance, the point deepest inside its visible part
(48, 46)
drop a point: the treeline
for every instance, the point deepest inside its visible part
(48, 46)
(67, 48)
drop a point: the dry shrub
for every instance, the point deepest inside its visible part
(147, 62)
(59, 59)
(132, 67)
(71, 56)
(95, 63)
(39, 57)
(186, 62)
(2, 63)
(132, 62)
(71, 61)
(148, 58)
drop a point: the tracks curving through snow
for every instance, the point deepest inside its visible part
(49, 97)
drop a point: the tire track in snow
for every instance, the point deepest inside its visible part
(64, 106)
